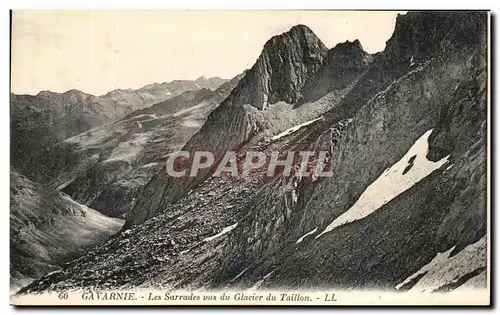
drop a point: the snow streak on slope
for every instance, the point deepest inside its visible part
(294, 129)
(305, 235)
(189, 109)
(409, 170)
(445, 270)
(224, 231)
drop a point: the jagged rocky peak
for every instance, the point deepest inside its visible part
(342, 65)
(348, 51)
(348, 55)
(282, 69)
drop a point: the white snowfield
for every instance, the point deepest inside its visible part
(391, 183)
(225, 230)
(444, 269)
(294, 129)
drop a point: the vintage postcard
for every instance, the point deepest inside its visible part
(250, 158)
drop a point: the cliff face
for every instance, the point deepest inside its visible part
(281, 71)
(405, 209)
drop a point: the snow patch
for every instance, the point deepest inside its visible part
(305, 235)
(150, 165)
(240, 274)
(95, 138)
(295, 197)
(391, 183)
(444, 269)
(294, 129)
(53, 272)
(225, 230)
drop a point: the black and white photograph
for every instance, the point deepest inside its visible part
(291, 158)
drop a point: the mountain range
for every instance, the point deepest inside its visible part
(40, 121)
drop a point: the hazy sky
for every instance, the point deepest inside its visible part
(98, 51)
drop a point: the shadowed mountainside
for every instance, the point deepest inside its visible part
(47, 228)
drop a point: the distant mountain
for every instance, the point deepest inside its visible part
(48, 228)
(40, 121)
(177, 87)
(343, 63)
(211, 83)
(104, 167)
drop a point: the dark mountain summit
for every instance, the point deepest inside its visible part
(350, 52)
(285, 64)
(343, 63)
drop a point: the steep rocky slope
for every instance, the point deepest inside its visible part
(40, 121)
(47, 228)
(405, 209)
